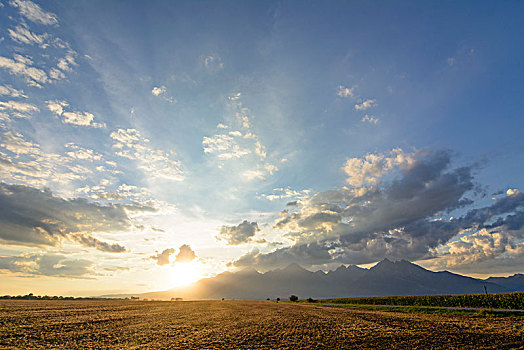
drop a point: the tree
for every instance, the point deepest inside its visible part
(293, 298)
(278, 299)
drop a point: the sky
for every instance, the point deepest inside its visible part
(147, 144)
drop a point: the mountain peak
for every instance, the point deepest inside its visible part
(248, 270)
(383, 263)
(293, 267)
(340, 268)
(400, 265)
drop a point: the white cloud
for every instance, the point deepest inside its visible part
(286, 193)
(369, 169)
(237, 144)
(34, 13)
(346, 92)
(122, 192)
(512, 192)
(18, 106)
(56, 74)
(162, 91)
(365, 105)
(25, 162)
(75, 118)
(483, 245)
(15, 143)
(78, 152)
(254, 174)
(8, 90)
(57, 106)
(66, 62)
(159, 163)
(25, 36)
(79, 118)
(370, 119)
(224, 146)
(157, 91)
(21, 66)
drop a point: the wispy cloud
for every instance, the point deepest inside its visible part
(21, 66)
(8, 90)
(34, 12)
(19, 107)
(130, 144)
(22, 34)
(285, 193)
(237, 140)
(370, 119)
(213, 63)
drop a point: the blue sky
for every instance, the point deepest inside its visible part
(162, 141)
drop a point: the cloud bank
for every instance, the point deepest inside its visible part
(398, 205)
(36, 217)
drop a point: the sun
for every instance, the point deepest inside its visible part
(184, 274)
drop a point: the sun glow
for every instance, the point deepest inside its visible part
(186, 273)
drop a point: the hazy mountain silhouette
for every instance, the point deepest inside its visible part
(386, 278)
(514, 283)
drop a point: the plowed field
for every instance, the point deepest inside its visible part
(242, 325)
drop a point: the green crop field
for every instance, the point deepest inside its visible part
(513, 301)
(119, 324)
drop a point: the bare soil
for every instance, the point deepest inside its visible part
(242, 325)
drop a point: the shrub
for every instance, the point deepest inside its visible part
(293, 298)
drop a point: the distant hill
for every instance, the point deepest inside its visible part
(384, 279)
(514, 283)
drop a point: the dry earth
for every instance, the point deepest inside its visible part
(241, 325)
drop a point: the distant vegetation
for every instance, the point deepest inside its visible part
(293, 298)
(30, 296)
(514, 301)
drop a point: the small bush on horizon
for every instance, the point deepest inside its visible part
(293, 298)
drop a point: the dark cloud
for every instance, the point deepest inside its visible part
(185, 254)
(36, 217)
(304, 254)
(163, 258)
(242, 233)
(401, 215)
(46, 265)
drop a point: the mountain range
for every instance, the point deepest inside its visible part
(384, 279)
